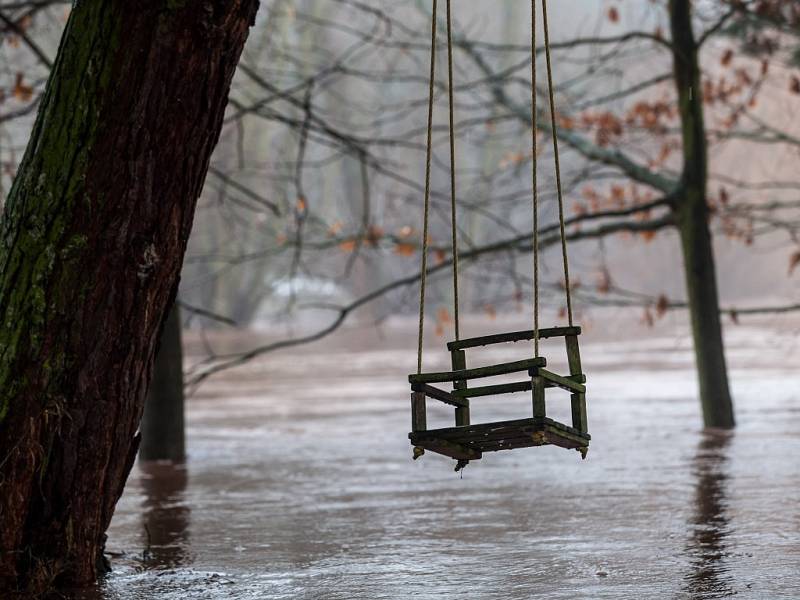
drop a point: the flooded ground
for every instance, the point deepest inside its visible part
(300, 485)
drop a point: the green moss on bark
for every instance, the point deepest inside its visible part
(37, 226)
(91, 245)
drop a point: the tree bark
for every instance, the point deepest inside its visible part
(692, 219)
(162, 425)
(91, 245)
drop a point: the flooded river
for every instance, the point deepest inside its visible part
(300, 485)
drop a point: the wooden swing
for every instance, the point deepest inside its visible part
(467, 441)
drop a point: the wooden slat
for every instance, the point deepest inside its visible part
(537, 395)
(514, 336)
(508, 388)
(440, 395)
(418, 417)
(487, 432)
(579, 420)
(445, 447)
(560, 438)
(573, 354)
(494, 390)
(490, 371)
(565, 383)
(479, 429)
(458, 360)
(459, 442)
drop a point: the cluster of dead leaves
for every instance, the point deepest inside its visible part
(22, 25)
(656, 310)
(615, 197)
(606, 125)
(756, 44)
(651, 115)
(724, 90)
(737, 229)
(21, 91)
(403, 240)
(371, 237)
(443, 320)
(777, 10)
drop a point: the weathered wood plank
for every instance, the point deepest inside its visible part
(573, 354)
(445, 447)
(508, 388)
(478, 429)
(490, 371)
(493, 390)
(578, 400)
(566, 383)
(579, 420)
(514, 336)
(467, 442)
(458, 360)
(440, 395)
(418, 416)
(537, 392)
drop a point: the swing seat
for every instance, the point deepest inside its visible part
(467, 441)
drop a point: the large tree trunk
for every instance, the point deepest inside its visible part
(692, 218)
(91, 245)
(162, 425)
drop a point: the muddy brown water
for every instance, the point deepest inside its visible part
(299, 485)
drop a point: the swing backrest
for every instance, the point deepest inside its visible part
(570, 335)
(514, 336)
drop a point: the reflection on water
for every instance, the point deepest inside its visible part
(165, 514)
(710, 526)
(303, 488)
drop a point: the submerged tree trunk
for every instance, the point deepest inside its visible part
(692, 219)
(162, 425)
(91, 245)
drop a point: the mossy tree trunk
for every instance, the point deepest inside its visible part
(91, 245)
(162, 425)
(692, 214)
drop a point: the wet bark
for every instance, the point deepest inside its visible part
(162, 425)
(91, 245)
(693, 214)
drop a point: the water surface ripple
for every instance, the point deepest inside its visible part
(300, 485)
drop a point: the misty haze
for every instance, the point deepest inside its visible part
(341, 299)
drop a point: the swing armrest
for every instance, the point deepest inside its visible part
(490, 371)
(440, 395)
(573, 383)
(520, 386)
(514, 336)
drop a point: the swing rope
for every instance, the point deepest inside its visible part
(426, 211)
(452, 168)
(428, 159)
(551, 95)
(534, 176)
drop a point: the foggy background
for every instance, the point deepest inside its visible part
(305, 211)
